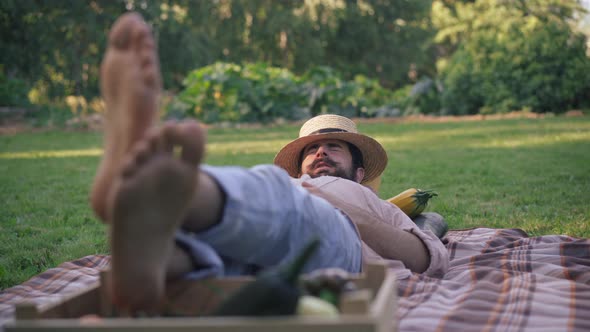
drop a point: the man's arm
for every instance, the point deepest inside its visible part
(387, 241)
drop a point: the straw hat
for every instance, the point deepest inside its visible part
(332, 126)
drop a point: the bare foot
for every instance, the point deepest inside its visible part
(130, 86)
(149, 202)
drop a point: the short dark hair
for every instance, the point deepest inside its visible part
(357, 156)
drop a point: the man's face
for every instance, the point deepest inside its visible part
(329, 157)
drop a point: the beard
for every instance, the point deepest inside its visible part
(336, 170)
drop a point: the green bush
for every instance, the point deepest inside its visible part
(327, 92)
(250, 93)
(13, 92)
(261, 93)
(525, 64)
(52, 115)
(424, 98)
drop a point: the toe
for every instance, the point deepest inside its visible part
(155, 140)
(142, 41)
(128, 167)
(167, 134)
(193, 142)
(142, 152)
(122, 31)
(146, 49)
(138, 156)
(190, 137)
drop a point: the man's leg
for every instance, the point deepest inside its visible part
(267, 220)
(140, 188)
(131, 86)
(146, 193)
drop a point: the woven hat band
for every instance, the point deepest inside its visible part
(321, 122)
(328, 130)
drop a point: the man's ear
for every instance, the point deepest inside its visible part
(359, 175)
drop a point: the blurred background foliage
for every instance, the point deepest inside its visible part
(265, 60)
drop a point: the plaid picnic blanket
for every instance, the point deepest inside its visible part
(499, 280)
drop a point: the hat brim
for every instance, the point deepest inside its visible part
(374, 156)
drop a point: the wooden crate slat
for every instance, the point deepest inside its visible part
(230, 324)
(371, 308)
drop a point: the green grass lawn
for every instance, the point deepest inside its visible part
(532, 174)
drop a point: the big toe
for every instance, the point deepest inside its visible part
(193, 138)
(190, 137)
(128, 31)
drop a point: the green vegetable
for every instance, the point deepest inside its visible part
(275, 292)
(328, 284)
(313, 306)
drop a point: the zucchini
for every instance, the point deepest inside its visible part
(413, 201)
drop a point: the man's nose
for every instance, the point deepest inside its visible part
(321, 151)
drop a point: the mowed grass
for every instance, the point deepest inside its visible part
(532, 174)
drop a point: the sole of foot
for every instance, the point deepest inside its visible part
(149, 202)
(131, 86)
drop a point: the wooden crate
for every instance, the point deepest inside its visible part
(360, 310)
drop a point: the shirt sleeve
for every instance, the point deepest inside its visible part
(439, 256)
(362, 197)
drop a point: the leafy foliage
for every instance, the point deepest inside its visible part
(13, 92)
(464, 56)
(56, 46)
(250, 93)
(423, 97)
(512, 58)
(261, 93)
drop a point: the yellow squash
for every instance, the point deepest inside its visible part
(412, 201)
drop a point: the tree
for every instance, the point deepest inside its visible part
(512, 55)
(56, 45)
(382, 39)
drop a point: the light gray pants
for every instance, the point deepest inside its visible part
(266, 221)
